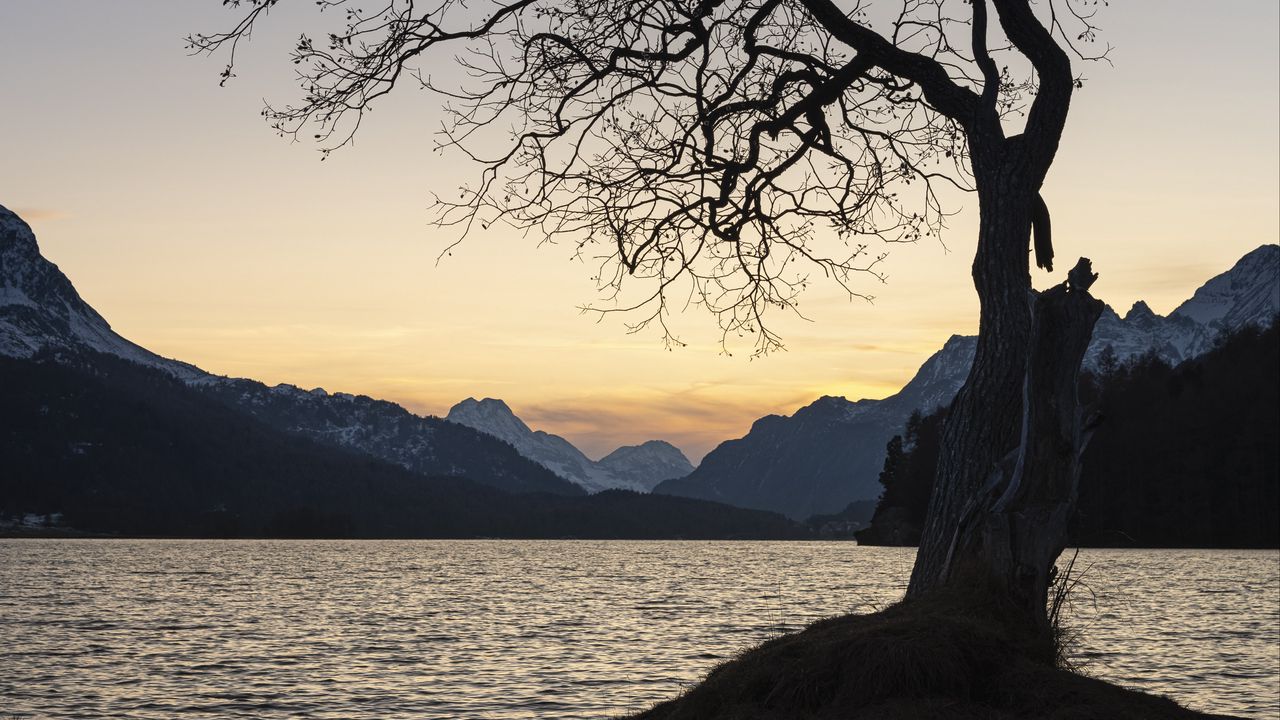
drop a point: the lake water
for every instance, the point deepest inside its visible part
(537, 629)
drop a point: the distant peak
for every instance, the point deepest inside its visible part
(16, 234)
(959, 342)
(836, 400)
(484, 404)
(1263, 260)
(1248, 292)
(490, 415)
(646, 464)
(1269, 251)
(648, 446)
(828, 407)
(1140, 309)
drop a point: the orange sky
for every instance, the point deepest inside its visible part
(198, 233)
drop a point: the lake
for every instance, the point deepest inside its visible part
(505, 629)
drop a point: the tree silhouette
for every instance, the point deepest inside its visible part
(724, 152)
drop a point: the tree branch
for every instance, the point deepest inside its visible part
(951, 99)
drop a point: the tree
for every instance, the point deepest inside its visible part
(891, 475)
(1108, 362)
(700, 145)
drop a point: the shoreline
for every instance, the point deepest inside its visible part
(73, 534)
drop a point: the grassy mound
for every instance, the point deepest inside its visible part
(937, 657)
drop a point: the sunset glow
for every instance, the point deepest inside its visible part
(267, 263)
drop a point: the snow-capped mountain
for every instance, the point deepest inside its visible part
(1248, 293)
(39, 307)
(41, 310)
(647, 464)
(638, 467)
(426, 445)
(1173, 338)
(830, 453)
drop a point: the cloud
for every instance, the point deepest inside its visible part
(694, 419)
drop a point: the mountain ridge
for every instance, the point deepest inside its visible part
(829, 453)
(631, 467)
(99, 444)
(38, 304)
(41, 309)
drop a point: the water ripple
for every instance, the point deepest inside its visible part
(498, 630)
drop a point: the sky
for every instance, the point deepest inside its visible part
(199, 234)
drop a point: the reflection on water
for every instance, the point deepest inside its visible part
(546, 629)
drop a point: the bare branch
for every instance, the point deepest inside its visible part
(720, 153)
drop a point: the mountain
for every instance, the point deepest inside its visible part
(106, 445)
(1172, 338)
(638, 467)
(1185, 455)
(1247, 294)
(425, 445)
(830, 452)
(647, 464)
(816, 461)
(112, 438)
(40, 310)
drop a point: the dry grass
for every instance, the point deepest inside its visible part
(948, 656)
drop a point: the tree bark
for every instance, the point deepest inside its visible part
(1008, 534)
(983, 423)
(1006, 479)
(1024, 516)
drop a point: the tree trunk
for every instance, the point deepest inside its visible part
(1021, 516)
(1006, 479)
(982, 426)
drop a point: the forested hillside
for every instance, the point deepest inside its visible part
(116, 447)
(1185, 456)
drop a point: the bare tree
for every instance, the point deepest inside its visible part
(723, 152)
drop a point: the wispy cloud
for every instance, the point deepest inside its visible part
(695, 419)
